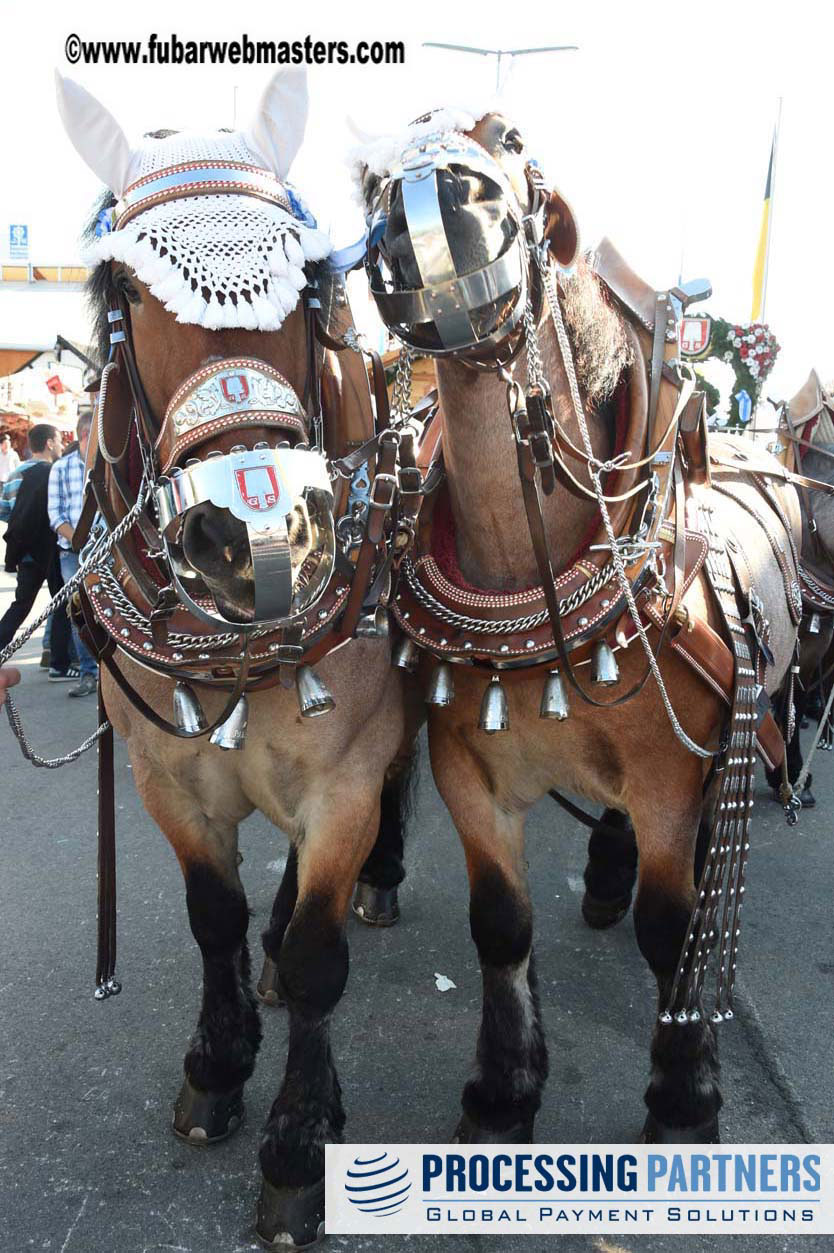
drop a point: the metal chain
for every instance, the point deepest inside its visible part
(826, 598)
(596, 469)
(176, 639)
(401, 394)
(49, 763)
(502, 626)
(91, 563)
(535, 367)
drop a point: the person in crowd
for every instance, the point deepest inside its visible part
(31, 549)
(9, 460)
(66, 497)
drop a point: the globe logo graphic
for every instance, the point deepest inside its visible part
(378, 1185)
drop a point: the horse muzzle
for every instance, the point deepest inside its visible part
(281, 496)
(447, 312)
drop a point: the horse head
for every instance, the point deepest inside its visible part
(205, 250)
(452, 204)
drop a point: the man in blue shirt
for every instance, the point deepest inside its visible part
(66, 498)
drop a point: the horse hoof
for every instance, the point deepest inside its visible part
(600, 914)
(206, 1117)
(470, 1132)
(290, 1216)
(807, 796)
(267, 988)
(655, 1132)
(377, 907)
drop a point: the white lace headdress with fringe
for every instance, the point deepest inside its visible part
(226, 259)
(378, 154)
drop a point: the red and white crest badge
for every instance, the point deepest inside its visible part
(695, 336)
(258, 486)
(235, 388)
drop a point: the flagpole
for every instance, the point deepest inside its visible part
(772, 206)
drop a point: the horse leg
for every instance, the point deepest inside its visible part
(312, 969)
(375, 900)
(267, 988)
(222, 1053)
(610, 871)
(683, 1096)
(501, 1099)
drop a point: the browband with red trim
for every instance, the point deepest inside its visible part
(199, 178)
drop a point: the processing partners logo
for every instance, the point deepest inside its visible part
(378, 1185)
(553, 1189)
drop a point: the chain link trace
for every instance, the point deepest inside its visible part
(92, 562)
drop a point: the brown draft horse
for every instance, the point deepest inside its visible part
(803, 439)
(320, 781)
(627, 758)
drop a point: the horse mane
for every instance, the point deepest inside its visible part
(598, 339)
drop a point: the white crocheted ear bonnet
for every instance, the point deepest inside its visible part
(380, 153)
(231, 258)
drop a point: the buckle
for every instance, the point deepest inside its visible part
(533, 225)
(291, 653)
(409, 475)
(391, 481)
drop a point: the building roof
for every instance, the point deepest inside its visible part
(32, 316)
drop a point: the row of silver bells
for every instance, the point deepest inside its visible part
(495, 714)
(314, 699)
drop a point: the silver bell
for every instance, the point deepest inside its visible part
(374, 625)
(554, 698)
(406, 655)
(313, 696)
(814, 624)
(604, 668)
(495, 713)
(232, 732)
(442, 686)
(188, 713)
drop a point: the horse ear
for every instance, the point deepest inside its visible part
(280, 121)
(95, 133)
(561, 230)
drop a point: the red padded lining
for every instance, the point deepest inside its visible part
(443, 547)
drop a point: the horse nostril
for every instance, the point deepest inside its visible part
(206, 532)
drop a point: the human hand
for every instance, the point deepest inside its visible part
(8, 677)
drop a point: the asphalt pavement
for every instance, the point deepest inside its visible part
(88, 1163)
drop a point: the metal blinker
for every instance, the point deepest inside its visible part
(406, 655)
(313, 697)
(232, 732)
(188, 713)
(441, 686)
(495, 713)
(554, 698)
(604, 668)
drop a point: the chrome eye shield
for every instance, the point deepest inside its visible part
(282, 496)
(446, 300)
(263, 488)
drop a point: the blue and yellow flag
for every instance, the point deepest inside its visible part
(761, 252)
